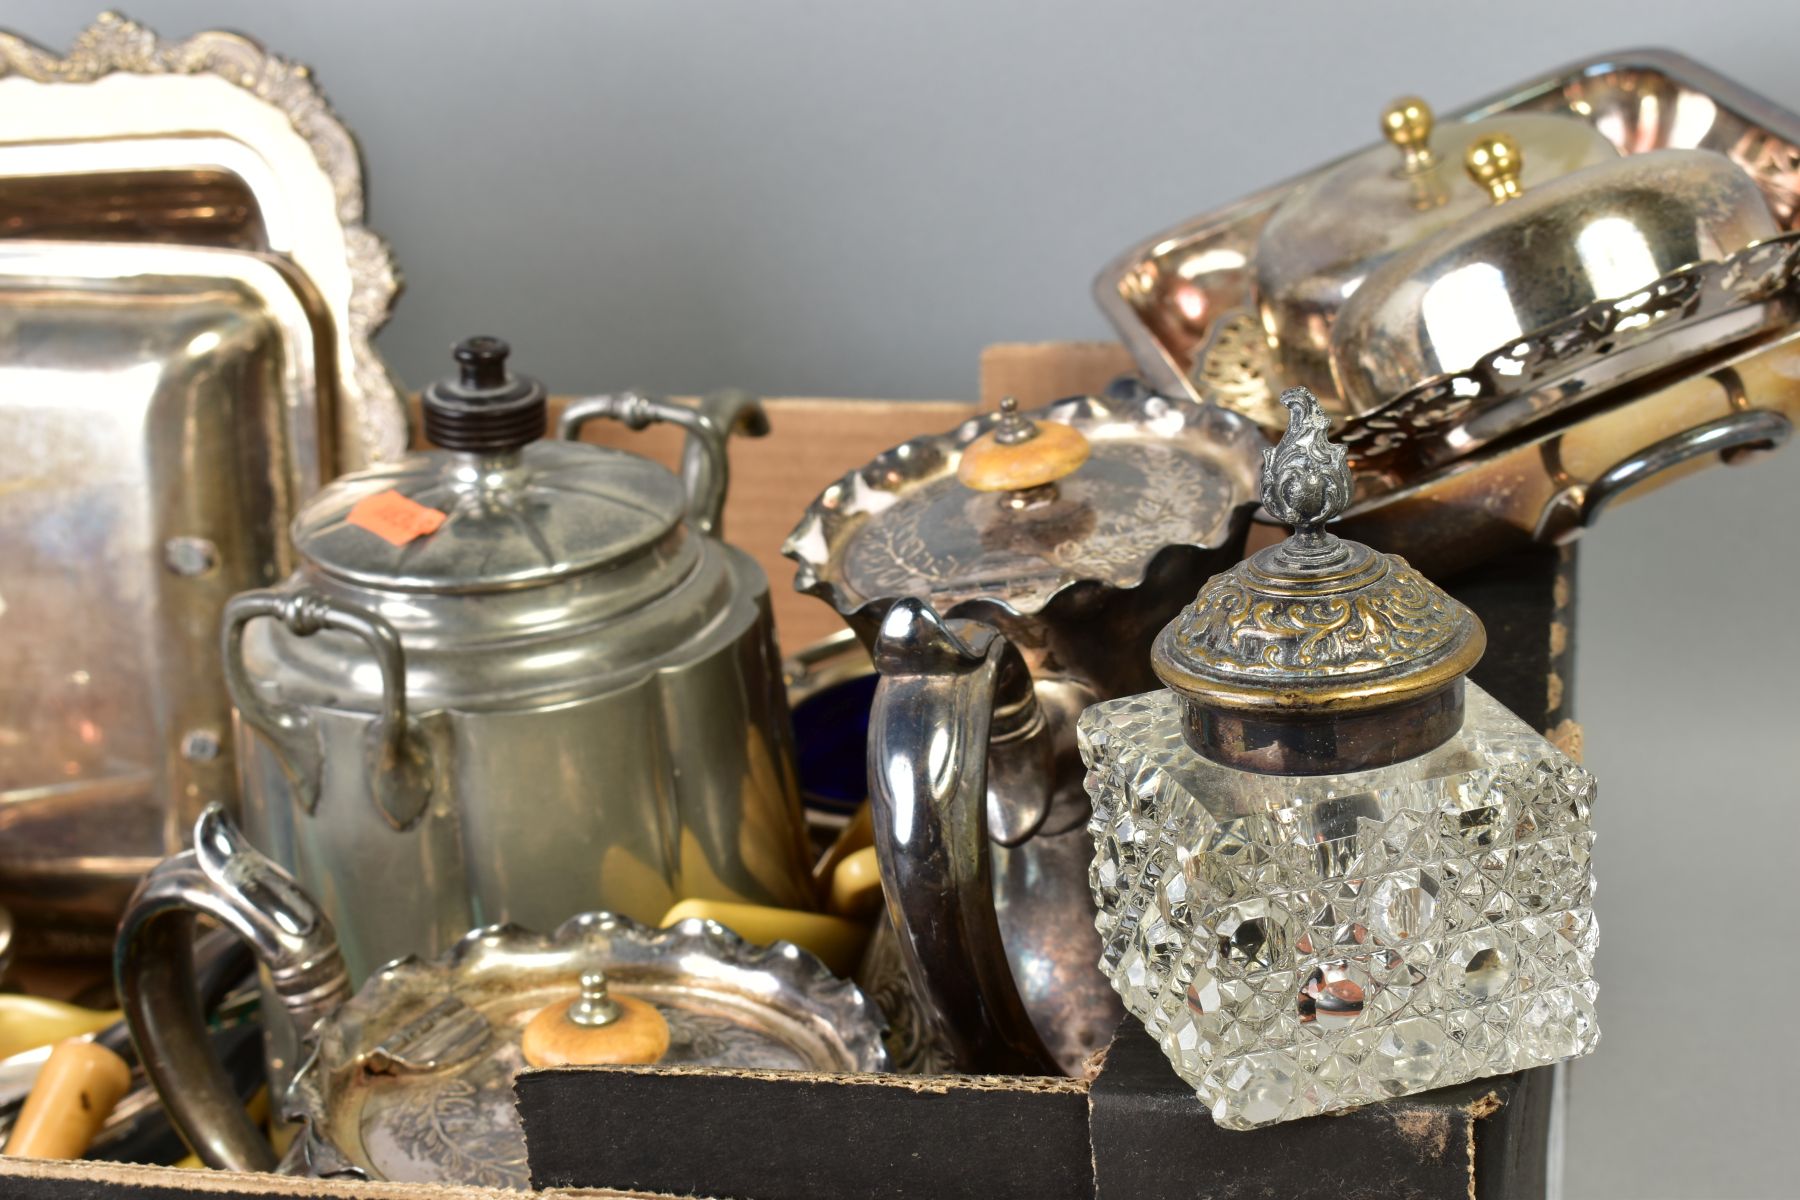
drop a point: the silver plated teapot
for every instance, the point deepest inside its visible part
(515, 679)
(1005, 576)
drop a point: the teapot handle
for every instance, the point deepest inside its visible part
(399, 758)
(225, 878)
(705, 465)
(947, 688)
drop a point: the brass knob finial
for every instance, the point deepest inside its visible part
(1407, 123)
(1495, 163)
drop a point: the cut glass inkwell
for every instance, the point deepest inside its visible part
(1329, 869)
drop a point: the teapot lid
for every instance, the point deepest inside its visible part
(1013, 508)
(1317, 655)
(497, 507)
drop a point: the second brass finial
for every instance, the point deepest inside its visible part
(1495, 163)
(1407, 123)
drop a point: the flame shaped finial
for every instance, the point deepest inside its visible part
(1306, 481)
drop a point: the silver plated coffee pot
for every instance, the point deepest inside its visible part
(515, 679)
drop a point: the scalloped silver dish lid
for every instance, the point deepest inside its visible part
(412, 1079)
(514, 509)
(1009, 509)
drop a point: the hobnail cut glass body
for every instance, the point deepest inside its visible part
(1300, 945)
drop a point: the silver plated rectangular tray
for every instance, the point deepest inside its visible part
(163, 409)
(207, 140)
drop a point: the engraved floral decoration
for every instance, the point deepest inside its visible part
(465, 1132)
(114, 44)
(391, 1087)
(1164, 473)
(904, 555)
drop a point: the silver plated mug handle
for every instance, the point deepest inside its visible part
(705, 464)
(947, 689)
(399, 757)
(223, 878)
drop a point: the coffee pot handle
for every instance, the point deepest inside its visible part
(705, 465)
(399, 757)
(223, 877)
(945, 687)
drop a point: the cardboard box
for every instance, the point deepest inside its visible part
(1131, 1130)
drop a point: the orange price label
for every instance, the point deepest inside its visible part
(395, 518)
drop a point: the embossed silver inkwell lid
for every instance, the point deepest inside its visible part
(1317, 655)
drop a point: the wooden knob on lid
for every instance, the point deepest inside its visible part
(1019, 455)
(596, 1028)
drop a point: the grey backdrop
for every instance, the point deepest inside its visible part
(852, 199)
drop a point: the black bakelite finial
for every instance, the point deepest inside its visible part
(486, 409)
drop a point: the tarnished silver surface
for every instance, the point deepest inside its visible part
(705, 466)
(1184, 303)
(226, 880)
(411, 1078)
(565, 698)
(165, 419)
(209, 140)
(981, 615)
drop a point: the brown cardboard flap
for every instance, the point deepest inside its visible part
(32, 1179)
